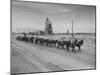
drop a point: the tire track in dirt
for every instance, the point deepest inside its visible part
(83, 56)
(62, 62)
(29, 57)
(20, 64)
(45, 66)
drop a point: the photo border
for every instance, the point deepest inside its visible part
(59, 4)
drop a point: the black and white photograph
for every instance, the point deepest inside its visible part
(52, 37)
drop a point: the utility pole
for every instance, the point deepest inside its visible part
(72, 28)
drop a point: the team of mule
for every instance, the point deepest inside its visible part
(52, 42)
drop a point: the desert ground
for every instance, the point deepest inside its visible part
(29, 57)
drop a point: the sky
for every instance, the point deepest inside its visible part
(31, 16)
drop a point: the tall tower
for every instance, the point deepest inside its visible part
(48, 27)
(67, 31)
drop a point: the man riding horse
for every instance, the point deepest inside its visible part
(76, 43)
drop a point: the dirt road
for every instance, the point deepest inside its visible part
(27, 57)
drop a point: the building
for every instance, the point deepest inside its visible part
(48, 27)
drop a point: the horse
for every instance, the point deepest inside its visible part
(67, 44)
(60, 44)
(18, 37)
(31, 39)
(36, 40)
(53, 43)
(48, 42)
(25, 38)
(76, 43)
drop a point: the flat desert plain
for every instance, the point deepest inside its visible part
(32, 58)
